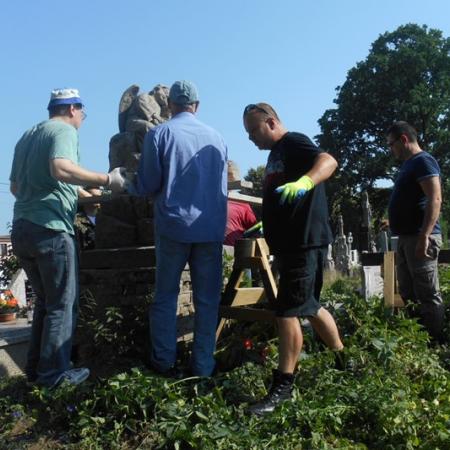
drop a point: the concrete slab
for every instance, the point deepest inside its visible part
(14, 338)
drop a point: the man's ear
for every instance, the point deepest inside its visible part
(71, 110)
(271, 122)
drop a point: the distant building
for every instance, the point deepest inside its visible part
(5, 245)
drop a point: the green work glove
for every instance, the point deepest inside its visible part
(295, 189)
(255, 229)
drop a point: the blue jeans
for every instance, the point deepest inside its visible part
(50, 260)
(205, 264)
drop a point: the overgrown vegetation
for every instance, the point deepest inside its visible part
(396, 395)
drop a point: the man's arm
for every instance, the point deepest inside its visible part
(431, 187)
(322, 169)
(66, 171)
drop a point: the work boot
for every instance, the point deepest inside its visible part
(280, 391)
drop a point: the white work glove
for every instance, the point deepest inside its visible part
(116, 180)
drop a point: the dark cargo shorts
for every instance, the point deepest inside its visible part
(300, 283)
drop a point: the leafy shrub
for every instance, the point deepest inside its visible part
(396, 395)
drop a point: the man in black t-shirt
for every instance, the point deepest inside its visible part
(414, 209)
(295, 222)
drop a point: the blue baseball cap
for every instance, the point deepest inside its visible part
(183, 93)
(66, 96)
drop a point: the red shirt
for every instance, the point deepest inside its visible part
(240, 217)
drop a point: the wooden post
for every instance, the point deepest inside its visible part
(391, 297)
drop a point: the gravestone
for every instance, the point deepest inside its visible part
(372, 282)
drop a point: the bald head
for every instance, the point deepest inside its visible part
(263, 125)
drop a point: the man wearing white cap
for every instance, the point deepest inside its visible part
(44, 178)
(183, 164)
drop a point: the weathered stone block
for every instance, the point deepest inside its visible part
(145, 232)
(121, 208)
(112, 233)
(143, 207)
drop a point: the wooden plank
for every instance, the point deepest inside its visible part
(100, 198)
(389, 279)
(263, 247)
(246, 314)
(248, 296)
(239, 184)
(253, 201)
(269, 280)
(376, 259)
(232, 285)
(113, 258)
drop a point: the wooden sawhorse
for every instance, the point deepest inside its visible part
(248, 254)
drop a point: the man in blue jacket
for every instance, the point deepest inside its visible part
(183, 165)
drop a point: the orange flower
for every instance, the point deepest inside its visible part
(12, 302)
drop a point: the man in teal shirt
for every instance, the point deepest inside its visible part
(44, 179)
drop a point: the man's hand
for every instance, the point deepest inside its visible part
(255, 229)
(422, 247)
(295, 189)
(116, 180)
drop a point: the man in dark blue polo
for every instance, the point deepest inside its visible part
(414, 209)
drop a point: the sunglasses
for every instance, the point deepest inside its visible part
(253, 107)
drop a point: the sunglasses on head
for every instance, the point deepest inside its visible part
(253, 107)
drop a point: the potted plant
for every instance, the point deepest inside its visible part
(8, 306)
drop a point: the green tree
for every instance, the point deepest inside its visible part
(406, 76)
(256, 176)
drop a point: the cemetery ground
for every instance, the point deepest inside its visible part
(395, 393)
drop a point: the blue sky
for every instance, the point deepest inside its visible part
(292, 54)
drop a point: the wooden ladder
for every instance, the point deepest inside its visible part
(248, 254)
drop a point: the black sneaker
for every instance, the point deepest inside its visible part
(280, 391)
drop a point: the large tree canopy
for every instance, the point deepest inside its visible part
(406, 76)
